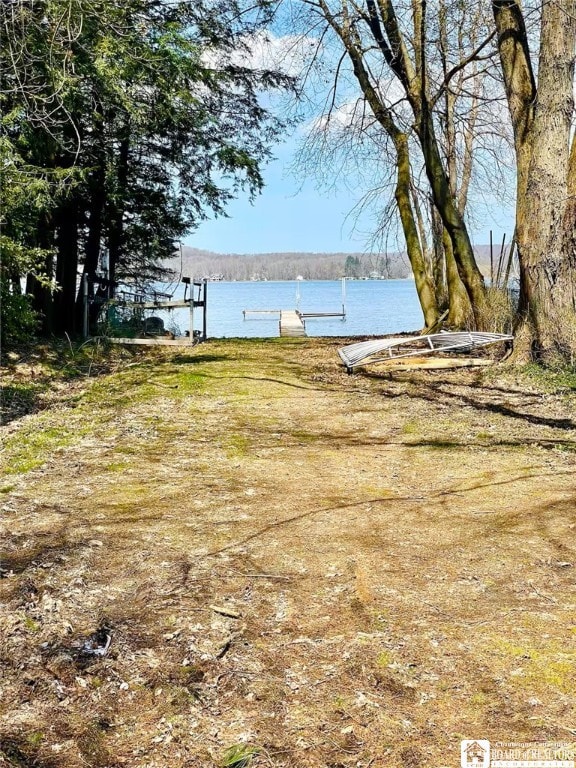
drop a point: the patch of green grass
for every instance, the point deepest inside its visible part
(7, 488)
(381, 620)
(339, 703)
(565, 447)
(25, 452)
(127, 450)
(117, 466)
(183, 382)
(302, 436)
(35, 738)
(550, 666)
(31, 625)
(378, 491)
(239, 756)
(120, 391)
(444, 445)
(238, 445)
(410, 428)
(384, 659)
(142, 385)
(557, 380)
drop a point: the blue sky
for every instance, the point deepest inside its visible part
(293, 215)
(290, 215)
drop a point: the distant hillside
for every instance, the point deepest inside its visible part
(287, 266)
(199, 263)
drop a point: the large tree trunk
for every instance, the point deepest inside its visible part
(66, 267)
(116, 207)
(451, 218)
(546, 207)
(544, 243)
(93, 245)
(459, 308)
(439, 260)
(422, 279)
(39, 290)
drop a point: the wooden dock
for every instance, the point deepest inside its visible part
(291, 323)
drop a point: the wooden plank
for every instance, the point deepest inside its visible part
(261, 312)
(163, 304)
(172, 304)
(431, 363)
(155, 342)
(322, 314)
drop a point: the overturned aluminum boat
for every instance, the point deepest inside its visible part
(385, 350)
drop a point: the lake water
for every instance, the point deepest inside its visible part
(373, 307)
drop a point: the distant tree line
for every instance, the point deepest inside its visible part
(198, 263)
(287, 266)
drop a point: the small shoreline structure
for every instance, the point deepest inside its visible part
(127, 312)
(394, 351)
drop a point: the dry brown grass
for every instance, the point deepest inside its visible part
(500, 311)
(335, 570)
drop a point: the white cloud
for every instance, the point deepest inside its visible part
(354, 112)
(289, 54)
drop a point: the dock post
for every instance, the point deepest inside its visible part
(191, 310)
(204, 321)
(85, 306)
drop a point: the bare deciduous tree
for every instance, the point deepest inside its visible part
(423, 76)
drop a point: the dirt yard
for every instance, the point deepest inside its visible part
(240, 555)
